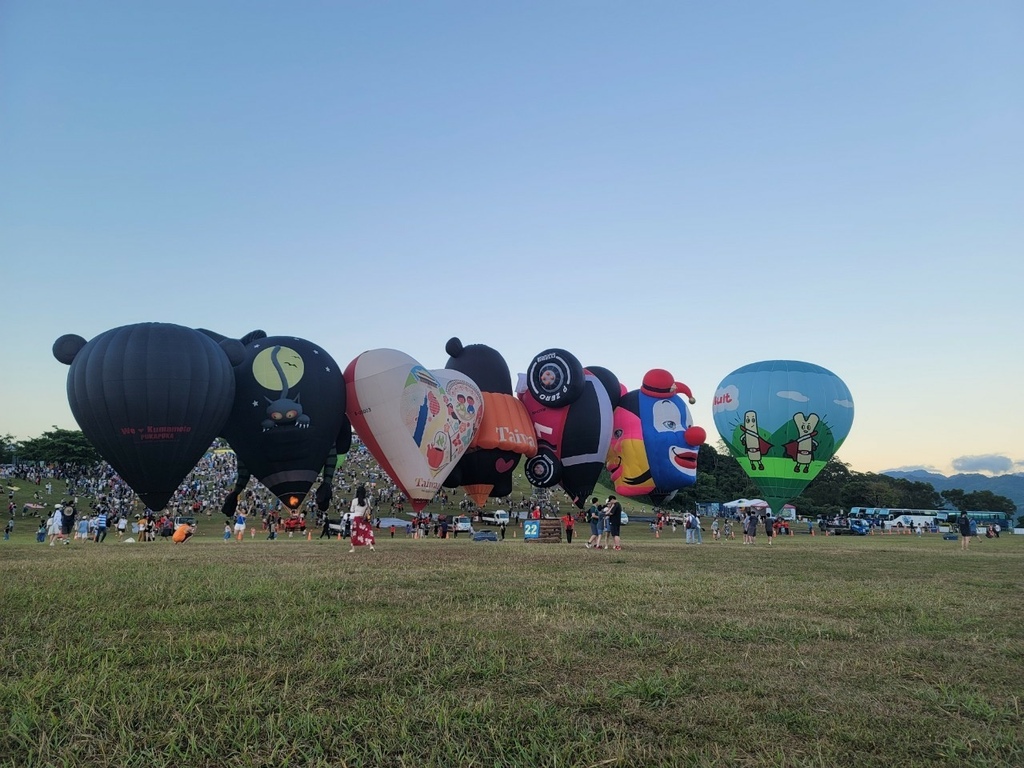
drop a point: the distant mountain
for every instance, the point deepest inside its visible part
(1010, 486)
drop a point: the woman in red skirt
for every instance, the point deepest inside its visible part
(362, 521)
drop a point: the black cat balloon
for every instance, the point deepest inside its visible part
(288, 420)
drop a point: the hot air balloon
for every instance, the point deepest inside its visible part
(654, 445)
(151, 397)
(504, 435)
(287, 422)
(416, 423)
(783, 420)
(571, 409)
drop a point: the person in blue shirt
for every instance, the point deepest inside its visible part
(101, 526)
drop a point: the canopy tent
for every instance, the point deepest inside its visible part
(755, 504)
(745, 503)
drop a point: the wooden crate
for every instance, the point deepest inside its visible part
(550, 532)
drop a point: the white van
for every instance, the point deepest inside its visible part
(498, 517)
(462, 524)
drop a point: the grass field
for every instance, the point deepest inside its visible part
(874, 651)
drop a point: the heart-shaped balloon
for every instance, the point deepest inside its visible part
(416, 423)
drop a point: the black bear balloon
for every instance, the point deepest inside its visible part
(150, 397)
(504, 434)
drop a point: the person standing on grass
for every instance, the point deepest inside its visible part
(362, 526)
(963, 523)
(8, 529)
(594, 519)
(750, 528)
(716, 534)
(67, 520)
(568, 520)
(769, 529)
(614, 513)
(53, 525)
(240, 523)
(101, 525)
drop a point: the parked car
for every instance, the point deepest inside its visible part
(294, 523)
(462, 524)
(843, 527)
(485, 536)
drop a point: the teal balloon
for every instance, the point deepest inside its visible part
(783, 420)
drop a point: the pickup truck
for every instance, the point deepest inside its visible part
(497, 517)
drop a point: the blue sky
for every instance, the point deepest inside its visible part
(679, 185)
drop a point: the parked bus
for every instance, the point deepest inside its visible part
(983, 518)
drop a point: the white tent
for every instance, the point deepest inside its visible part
(746, 504)
(788, 510)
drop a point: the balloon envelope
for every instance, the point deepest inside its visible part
(416, 423)
(504, 434)
(655, 444)
(289, 409)
(151, 398)
(783, 420)
(571, 409)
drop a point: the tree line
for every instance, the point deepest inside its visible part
(720, 478)
(837, 487)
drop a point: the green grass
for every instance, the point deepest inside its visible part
(887, 650)
(816, 651)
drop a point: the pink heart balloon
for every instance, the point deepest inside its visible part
(413, 421)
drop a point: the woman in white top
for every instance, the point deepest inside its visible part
(54, 526)
(362, 522)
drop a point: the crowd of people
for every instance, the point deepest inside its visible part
(95, 503)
